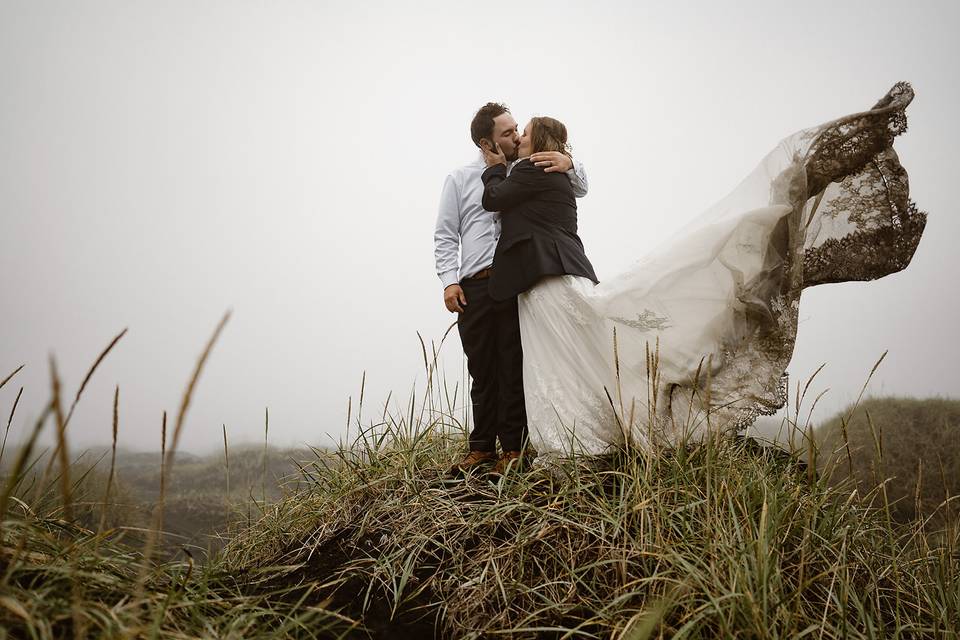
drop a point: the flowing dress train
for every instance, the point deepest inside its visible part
(697, 335)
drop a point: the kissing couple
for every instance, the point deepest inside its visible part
(692, 339)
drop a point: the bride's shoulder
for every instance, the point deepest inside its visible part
(525, 166)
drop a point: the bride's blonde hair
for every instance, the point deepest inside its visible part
(549, 134)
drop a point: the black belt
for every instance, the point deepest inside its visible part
(480, 275)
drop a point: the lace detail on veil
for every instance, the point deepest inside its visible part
(868, 227)
(721, 300)
(851, 219)
(647, 320)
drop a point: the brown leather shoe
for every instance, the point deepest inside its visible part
(471, 462)
(512, 460)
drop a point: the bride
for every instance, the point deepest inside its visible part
(696, 337)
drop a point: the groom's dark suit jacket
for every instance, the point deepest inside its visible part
(538, 230)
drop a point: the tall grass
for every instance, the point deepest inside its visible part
(715, 539)
(63, 579)
(909, 446)
(113, 458)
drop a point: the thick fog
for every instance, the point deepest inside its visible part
(163, 162)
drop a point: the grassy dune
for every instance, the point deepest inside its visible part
(719, 539)
(907, 448)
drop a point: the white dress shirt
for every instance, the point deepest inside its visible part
(466, 233)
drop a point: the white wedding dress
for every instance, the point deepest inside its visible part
(697, 336)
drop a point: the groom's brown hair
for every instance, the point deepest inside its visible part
(482, 124)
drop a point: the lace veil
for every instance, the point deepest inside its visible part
(706, 325)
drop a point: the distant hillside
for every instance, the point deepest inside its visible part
(198, 502)
(914, 442)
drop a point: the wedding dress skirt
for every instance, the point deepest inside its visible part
(697, 336)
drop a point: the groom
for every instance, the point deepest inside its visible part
(465, 238)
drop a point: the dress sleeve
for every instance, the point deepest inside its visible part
(502, 192)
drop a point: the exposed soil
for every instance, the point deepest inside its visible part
(416, 620)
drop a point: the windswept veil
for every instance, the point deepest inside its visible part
(698, 334)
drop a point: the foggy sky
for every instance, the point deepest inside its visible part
(162, 162)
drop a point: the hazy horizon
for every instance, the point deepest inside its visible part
(162, 163)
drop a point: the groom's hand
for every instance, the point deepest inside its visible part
(552, 161)
(454, 298)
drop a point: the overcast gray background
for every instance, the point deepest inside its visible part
(161, 162)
